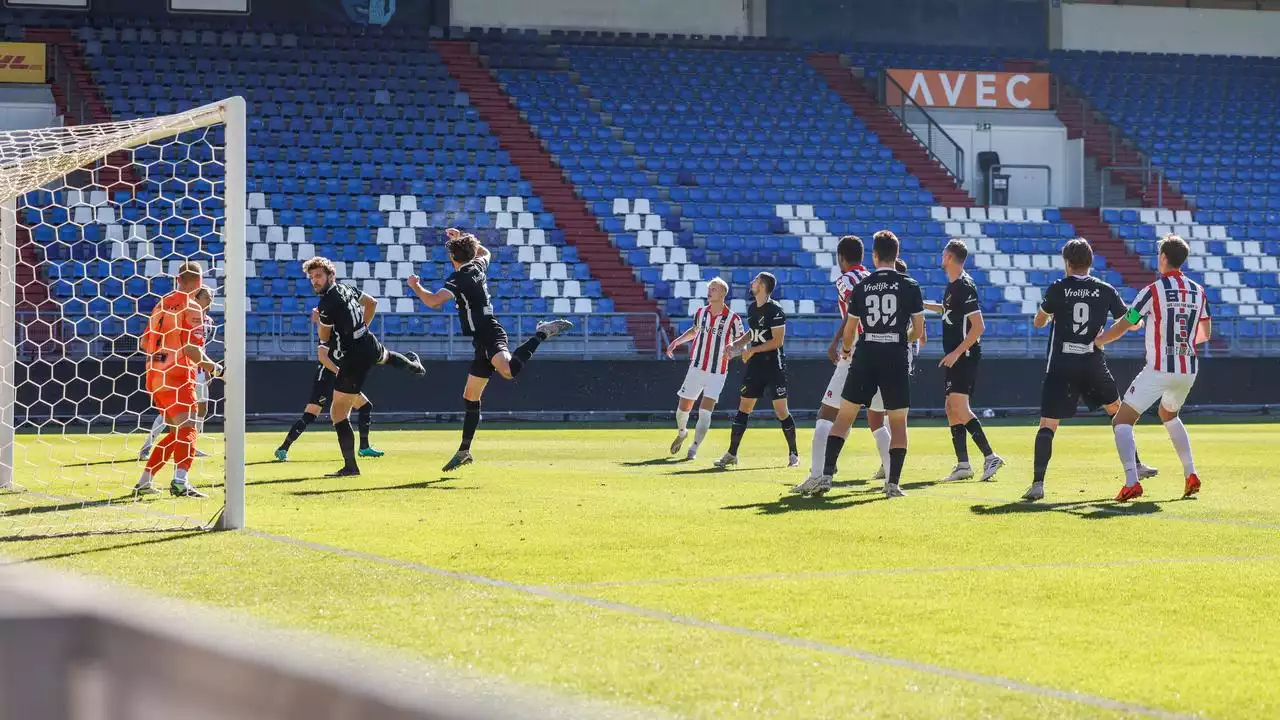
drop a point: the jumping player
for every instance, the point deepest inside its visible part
(714, 329)
(962, 328)
(849, 254)
(174, 343)
(321, 393)
(1177, 312)
(1077, 305)
(469, 286)
(766, 369)
(349, 349)
(888, 308)
(204, 298)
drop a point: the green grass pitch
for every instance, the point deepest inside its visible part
(584, 560)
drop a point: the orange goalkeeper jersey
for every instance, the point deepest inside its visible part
(175, 323)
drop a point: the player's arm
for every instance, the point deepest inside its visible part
(433, 300)
(849, 333)
(1047, 306)
(369, 304)
(916, 331)
(196, 355)
(915, 305)
(685, 337)
(1117, 329)
(833, 350)
(933, 306)
(322, 352)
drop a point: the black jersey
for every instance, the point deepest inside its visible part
(761, 322)
(341, 312)
(885, 302)
(1080, 305)
(470, 288)
(959, 303)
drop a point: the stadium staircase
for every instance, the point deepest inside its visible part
(581, 228)
(1082, 121)
(1090, 226)
(932, 175)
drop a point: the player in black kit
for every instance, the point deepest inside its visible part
(962, 328)
(766, 369)
(1077, 306)
(318, 400)
(889, 309)
(469, 287)
(348, 349)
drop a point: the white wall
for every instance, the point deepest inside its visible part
(1170, 30)
(27, 107)
(699, 17)
(1021, 138)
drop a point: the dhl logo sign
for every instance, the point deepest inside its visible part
(971, 90)
(22, 62)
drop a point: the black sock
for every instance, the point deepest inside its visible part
(524, 353)
(470, 422)
(364, 420)
(979, 437)
(299, 427)
(398, 361)
(897, 458)
(960, 442)
(735, 433)
(834, 445)
(347, 442)
(789, 430)
(1044, 451)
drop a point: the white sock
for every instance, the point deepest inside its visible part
(1182, 443)
(144, 479)
(704, 424)
(1128, 450)
(818, 453)
(682, 419)
(883, 438)
(157, 429)
(179, 477)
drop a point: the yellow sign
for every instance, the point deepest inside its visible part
(21, 62)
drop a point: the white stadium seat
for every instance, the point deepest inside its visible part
(670, 272)
(306, 251)
(666, 238)
(360, 270)
(384, 305)
(621, 206)
(549, 289)
(1217, 232)
(652, 222)
(407, 236)
(657, 256)
(559, 271)
(382, 270)
(1147, 216)
(953, 229)
(264, 217)
(408, 203)
(1183, 217)
(1042, 262)
(959, 214)
(1162, 230)
(807, 307)
(809, 243)
(797, 227)
(525, 221)
(788, 306)
(996, 214)
(682, 290)
(493, 204)
(1022, 262)
(1012, 294)
(105, 215)
(739, 305)
(538, 271)
(1182, 231)
(694, 305)
(562, 306)
(1015, 215)
(582, 305)
(396, 219)
(805, 212)
(632, 223)
(515, 236)
(251, 234)
(939, 214)
(405, 305)
(817, 227)
(515, 204)
(503, 221)
(152, 268)
(548, 253)
(296, 235)
(275, 235)
(1199, 232)
(417, 254)
(784, 211)
(678, 255)
(250, 268)
(395, 253)
(1165, 217)
(527, 254)
(386, 236)
(978, 214)
(572, 288)
(257, 201)
(691, 273)
(645, 238)
(393, 288)
(417, 219)
(387, 203)
(1035, 215)
(404, 269)
(972, 229)
(641, 206)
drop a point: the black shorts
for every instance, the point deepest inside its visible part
(962, 377)
(487, 346)
(767, 373)
(1086, 380)
(356, 362)
(321, 387)
(885, 369)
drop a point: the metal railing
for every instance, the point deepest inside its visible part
(1048, 183)
(1147, 175)
(917, 121)
(60, 73)
(279, 342)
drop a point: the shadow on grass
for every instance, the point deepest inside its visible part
(424, 485)
(655, 461)
(170, 536)
(800, 503)
(69, 505)
(1100, 509)
(95, 463)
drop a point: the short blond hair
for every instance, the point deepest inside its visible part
(190, 270)
(718, 282)
(319, 262)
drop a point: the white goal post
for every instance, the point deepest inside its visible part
(93, 219)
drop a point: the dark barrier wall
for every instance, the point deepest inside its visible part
(111, 388)
(983, 23)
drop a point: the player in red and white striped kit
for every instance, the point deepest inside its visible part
(1176, 313)
(849, 256)
(715, 328)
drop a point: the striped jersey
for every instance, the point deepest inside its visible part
(1173, 307)
(844, 287)
(715, 332)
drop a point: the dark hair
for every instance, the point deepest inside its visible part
(850, 249)
(1078, 254)
(770, 282)
(900, 265)
(1175, 250)
(886, 245)
(958, 250)
(463, 248)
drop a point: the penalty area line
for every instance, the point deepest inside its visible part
(551, 593)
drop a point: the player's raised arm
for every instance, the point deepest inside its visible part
(685, 337)
(433, 300)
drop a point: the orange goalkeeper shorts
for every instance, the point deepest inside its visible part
(173, 394)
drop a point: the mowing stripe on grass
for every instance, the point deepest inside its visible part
(1104, 506)
(827, 574)
(550, 593)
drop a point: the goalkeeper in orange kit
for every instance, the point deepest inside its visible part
(174, 343)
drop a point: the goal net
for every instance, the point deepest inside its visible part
(95, 221)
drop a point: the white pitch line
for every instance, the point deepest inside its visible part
(854, 572)
(549, 593)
